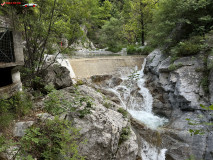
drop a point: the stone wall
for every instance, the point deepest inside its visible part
(13, 67)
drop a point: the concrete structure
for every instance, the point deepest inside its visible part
(87, 67)
(10, 81)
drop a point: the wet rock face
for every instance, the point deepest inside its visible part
(102, 129)
(100, 78)
(177, 95)
(211, 86)
(183, 85)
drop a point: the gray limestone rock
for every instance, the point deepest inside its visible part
(181, 90)
(102, 129)
(58, 76)
(153, 60)
(211, 86)
(20, 127)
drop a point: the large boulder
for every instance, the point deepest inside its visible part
(57, 75)
(102, 128)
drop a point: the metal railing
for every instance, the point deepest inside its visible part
(6, 45)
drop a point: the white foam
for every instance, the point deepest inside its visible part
(150, 152)
(149, 119)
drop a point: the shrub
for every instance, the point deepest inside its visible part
(107, 105)
(17, 106)
(114, 49)
(123, 112)
(53, 104)
(56, 103)
(52, 139)
(80, 82)
(125, 133)
(146, 50)
(191, 46)
(131, 50)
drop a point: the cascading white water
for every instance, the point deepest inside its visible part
(149, 152)
(140, 107)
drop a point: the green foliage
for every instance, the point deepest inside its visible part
(146, 50)
(132, 49)
(17, 106)
(208, 125)
(114, 49)
(53, 139)
(125, 133)
(137, 15)
(191, 157)
(188, 47)
(44, 27)
(132, 78)
(80, 82)
(107, 105)
(173, 67)
(49, 88)
(57, 103)
(5, 143)
(123, 112)
(111, 34)
(176, 21)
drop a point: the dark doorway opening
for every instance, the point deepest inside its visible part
(5, 77)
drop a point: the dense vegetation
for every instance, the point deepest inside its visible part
(178, 27)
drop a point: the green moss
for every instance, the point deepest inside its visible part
(107, 105)
(123, 112)
(173, 67)
(80, 82)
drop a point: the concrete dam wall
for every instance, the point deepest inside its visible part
(87, 67)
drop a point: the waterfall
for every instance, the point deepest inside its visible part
(149, 152)
(140, 107)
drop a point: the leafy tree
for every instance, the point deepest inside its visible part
(112, 34)
(140, 16)
(176, 20)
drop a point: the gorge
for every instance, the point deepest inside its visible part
(171, 95)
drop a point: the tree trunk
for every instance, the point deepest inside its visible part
(142, 25)
(142, 34)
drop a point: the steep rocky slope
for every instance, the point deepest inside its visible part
(177, 95)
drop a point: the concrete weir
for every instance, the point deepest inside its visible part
(87, 67)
